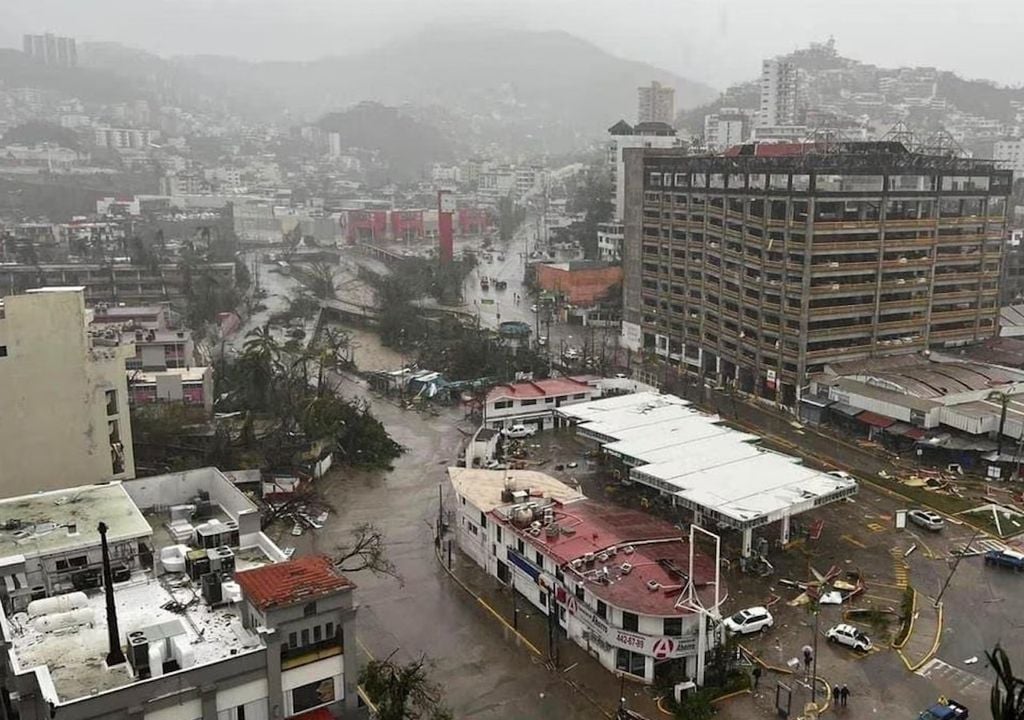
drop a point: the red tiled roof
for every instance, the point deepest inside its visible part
(540, 388)
(295, 581)
(658, 547)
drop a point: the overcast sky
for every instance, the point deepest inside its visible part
(716, 41)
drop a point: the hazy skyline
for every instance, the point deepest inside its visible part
(713, 41)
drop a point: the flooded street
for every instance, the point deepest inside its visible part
(485, 674)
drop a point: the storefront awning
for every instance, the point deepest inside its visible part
(844, 409)
(875, 420)
(817, 401)
(905, 430)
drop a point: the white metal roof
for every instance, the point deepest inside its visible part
(705, 465)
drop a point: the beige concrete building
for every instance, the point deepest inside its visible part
(65, 420)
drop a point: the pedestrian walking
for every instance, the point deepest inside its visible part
(835, 695)
(808, 657)
(844, 692)
(757, 676)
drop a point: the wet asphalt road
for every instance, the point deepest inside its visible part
(485, 675)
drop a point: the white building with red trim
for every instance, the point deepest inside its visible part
(533, 402)
(619, 580)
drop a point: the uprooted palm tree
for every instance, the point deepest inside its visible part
(403, 692)
(1007, 699)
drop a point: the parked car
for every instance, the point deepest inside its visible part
(750, 620)
(518, 432)
(945, 710)
(927, 519)
(1006, 558)
(849, 636)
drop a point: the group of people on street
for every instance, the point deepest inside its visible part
(840, 693)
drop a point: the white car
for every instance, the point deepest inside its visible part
(751, 620)
(518, 432)
(849, 636)
(927, 519)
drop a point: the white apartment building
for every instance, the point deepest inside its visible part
(65, 395)
(1010, 155)
(781, 93)
(117, 138)
(725, 128)
(610, 237)
(615, 579)
(655, 103)
(623, 136)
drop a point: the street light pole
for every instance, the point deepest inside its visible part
(814, 660)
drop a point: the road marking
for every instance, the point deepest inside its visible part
(900, 569)
(853, 541)
(875, 527)
(981, 545)
(949, 675)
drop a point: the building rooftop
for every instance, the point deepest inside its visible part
(194, 374)
(612, 536)
(120, 313)
(484, 488)
(706, 466)
(542, 388)
(296, 581)
(39, 524)
(867, 157)
(75, 657)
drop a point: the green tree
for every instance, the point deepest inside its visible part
(403, 692)
(593, 198)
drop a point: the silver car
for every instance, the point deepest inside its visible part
(927, 519)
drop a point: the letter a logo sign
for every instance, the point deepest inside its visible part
(663, 647)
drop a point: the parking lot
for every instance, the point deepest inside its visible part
(856, 538)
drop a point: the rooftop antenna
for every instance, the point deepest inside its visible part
(115, 656)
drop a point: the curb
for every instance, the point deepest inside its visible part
(822, 707)
(910, 630)
(935, 645)
(522, 638)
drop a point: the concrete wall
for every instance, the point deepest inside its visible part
(54, 429)
(162, 491)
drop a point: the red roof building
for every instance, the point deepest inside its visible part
(289, 583)
(534, 401)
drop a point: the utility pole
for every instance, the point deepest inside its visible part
(814, 660)
(956, 564)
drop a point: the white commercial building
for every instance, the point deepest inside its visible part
(202, 617)
(65, 417)
(621, 583)
(624, 135)
(700, 464)
(655, 103)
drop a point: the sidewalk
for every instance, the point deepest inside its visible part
(527, 627)
(925, 634)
